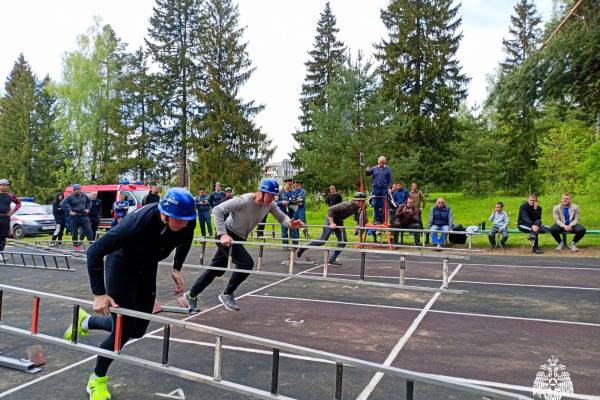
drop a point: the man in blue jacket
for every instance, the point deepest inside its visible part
(77, 206)
(203, 209)
(300, 212)
(440, 219)
(381, 182)
(133, 249)
(285, 201)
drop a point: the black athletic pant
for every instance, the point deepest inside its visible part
(528, 229)
(239, 256)
(94, 222)
(4, 228)
(556, 232)
(132, 288)
(60, 229)
(82, 221)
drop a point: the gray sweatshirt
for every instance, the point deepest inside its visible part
(244, 215)
(76, 203)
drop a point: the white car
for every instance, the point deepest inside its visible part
(31, 219)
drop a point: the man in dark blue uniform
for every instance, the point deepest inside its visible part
(77, 206)
(133, 249)
(285, 201)
(203, 209)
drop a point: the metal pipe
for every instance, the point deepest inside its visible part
(33, 260)
(291, 267)
(259, 262)
(55, 262)
(325, 263)
(275, 372)
(67, 261)
(229, 258)
(218, 358)
(402, 270)
(339, 370)
(23, 259)
(35, 314)
(202, 252)
(1, 293)
(410, 389)
(445, 273)
(363, 260)
(44, 261)
(118, 333)
(75, 323)
(165, 348)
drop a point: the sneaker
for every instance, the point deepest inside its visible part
(192, 302)
(81, 331)
(334, 262)
(98, 388)
(229, 302)
(559, 247)
(77, 248)
(438, 247)
(573, 247)
(537, 250)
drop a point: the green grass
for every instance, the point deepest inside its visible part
(468, 210)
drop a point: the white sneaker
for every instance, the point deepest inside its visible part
(559, 247)
(573, 247)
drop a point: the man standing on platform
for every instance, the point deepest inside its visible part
(6, 198)
(245, 212)
(381, 182)
(131, 251)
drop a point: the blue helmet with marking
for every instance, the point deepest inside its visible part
(178, 203)
(269, 186)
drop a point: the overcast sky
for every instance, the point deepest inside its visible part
(279, 33)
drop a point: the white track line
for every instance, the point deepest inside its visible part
(42, 378)
(245, 349)
(473, 282)
(403, 340)
(556, 321)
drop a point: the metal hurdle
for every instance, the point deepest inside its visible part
(214, 377)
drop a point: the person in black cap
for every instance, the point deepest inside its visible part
(77, 206)
(335, 224)
(6, 198)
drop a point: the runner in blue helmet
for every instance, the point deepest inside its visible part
(130, 253)
(244, 213)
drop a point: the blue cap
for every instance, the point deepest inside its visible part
(76, 186)
(178, 203)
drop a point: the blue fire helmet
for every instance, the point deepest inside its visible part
(178, 203)
(269, 186)
(76, 186)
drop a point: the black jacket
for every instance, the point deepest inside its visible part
(150, 198)
(139, 242)
(529, 216)
(76, 203)
(57, 212)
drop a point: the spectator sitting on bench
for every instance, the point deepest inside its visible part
(566, 218)
(440, 219)
(407, 216)
(530, 221)
(499, 220)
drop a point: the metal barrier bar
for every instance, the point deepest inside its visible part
(325, 263)
(445, 273)
(229, 258)
(363, 260)
(35, 314)
(402, 270)
(382, 228)
(259, 261)
(202, 252)
(118, 333)
(291, 264)
(280, 346)
(1, 294)
(339, 371)
(165, 348)
(23, 259)
(410, 389)
(75, 323)
(275, 371)
(218, 358)
(44, 261)
(33, 260)
(55, 262)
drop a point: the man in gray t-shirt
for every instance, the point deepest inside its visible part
(243, 215)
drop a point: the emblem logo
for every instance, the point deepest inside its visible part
(552, 381)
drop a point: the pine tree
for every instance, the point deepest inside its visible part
(422, 76)
(326, 57)
(525, 33)
(229, 146)
(172, 41)
(18, 125)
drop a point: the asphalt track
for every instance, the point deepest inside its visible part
(517, 313)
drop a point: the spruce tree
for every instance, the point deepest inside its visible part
(18, 126)
(421, 74)
(229, 147)
(326, 57)
(525, 33)
(172, 41)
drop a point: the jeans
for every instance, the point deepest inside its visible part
(294, 234)
(301, 215)
(494, 231)
(82, 221)
(556, 231)
(378, 202)
(414, 225)
(437, 238)
(130, 288)
(94, 222)
(239, 256)
(340, 234)
(205, 222)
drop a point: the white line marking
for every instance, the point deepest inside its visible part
(403, 340)
(42, 378)
(556, 321)
(473, 282)
(245, 349)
